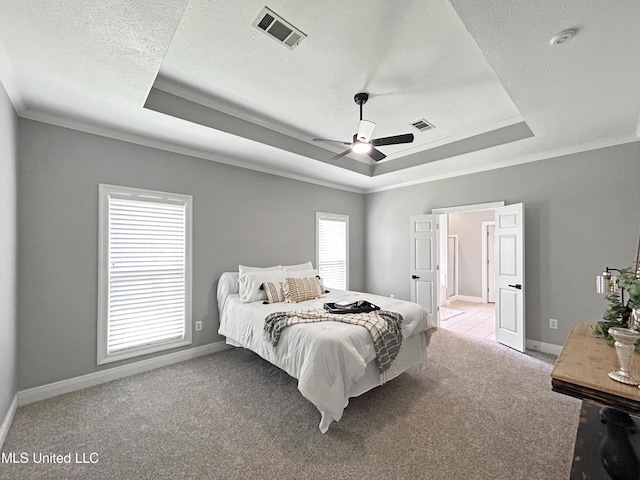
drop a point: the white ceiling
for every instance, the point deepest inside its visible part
(476, 70)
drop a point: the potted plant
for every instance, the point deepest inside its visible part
(624, 304)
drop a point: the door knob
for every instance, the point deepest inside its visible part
(517, 285)
(414, 276)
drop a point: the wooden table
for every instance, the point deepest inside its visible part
(581, 371)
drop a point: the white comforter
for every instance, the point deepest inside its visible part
(328, 358)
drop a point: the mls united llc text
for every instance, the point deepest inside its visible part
(39, 457)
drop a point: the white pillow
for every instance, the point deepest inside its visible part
(301, 273)
(300, 266)
(250, 283)
(245, 269)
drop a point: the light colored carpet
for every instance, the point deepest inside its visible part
(446, 313)
(478, 411)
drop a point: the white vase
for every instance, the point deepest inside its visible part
(625, 346)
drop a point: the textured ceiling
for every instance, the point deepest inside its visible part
(105, 50)
(415, 62)
(483, 73)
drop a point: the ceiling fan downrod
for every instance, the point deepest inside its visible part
(361, 98)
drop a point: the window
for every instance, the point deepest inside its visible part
(144, 300)
(332, 249)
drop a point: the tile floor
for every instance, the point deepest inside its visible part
(477, 319)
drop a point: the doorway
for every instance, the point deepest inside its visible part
(428, 267)
(468, 306)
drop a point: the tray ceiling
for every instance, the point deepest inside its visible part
(484, 73)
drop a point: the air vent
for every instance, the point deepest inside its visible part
(279, 29)
(422, 125)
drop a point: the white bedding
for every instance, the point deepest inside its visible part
(332, 361)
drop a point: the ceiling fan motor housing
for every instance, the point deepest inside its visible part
(361, 98)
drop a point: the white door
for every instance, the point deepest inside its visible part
(452, 273)
(443, 260)
(491, 279)
(423, 266)
(509, 276)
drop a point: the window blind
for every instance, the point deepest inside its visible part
(332, 250)
(147, 272)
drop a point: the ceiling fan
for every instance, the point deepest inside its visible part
(362, 141)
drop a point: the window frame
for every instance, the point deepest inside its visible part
(337, 217)
(105, 192)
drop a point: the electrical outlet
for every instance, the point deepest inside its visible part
(553, 323)
(198, 325)
(392, 296)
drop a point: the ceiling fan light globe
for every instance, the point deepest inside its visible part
(361, 147)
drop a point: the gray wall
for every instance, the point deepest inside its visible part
(581, 215)
(8, 253)
(468, 227)
(240, 216)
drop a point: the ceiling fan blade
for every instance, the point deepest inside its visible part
(340, 155)
(332, 141)
(377, 155)
(394, 140)
(365, 130)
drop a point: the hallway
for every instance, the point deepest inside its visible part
(474, 319)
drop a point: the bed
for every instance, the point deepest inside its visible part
(332, 361)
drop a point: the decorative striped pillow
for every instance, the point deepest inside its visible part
(274, 292)
(300, 289)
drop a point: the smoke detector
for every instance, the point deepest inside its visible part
(563, 36)
(279, 29)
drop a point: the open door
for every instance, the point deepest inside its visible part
(491, 274)
(443, 260)
(488, 267)
(509, 276)
(424, 266)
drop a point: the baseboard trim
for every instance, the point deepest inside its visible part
(469, 298)
(543, 347)
(54, 389)
(8, 420)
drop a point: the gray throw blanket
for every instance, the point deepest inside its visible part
(384, 327)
